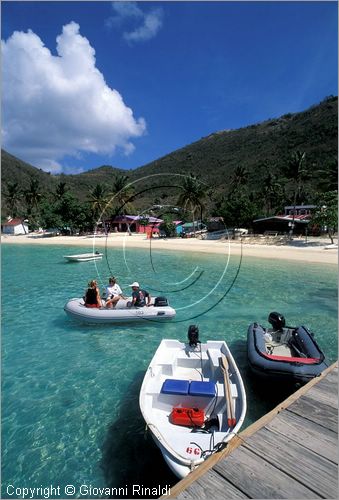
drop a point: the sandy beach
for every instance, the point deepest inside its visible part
(312, 251)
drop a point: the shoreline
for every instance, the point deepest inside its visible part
(297, 250)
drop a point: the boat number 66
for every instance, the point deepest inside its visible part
(194, 451)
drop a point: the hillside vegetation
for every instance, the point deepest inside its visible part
(228, 162)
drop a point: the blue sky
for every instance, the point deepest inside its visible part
(128, 82)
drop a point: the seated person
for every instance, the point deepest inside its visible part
(92, 295)
(113, 293)
(139, 296)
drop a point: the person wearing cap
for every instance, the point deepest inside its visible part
(113, 293)
(139, 296)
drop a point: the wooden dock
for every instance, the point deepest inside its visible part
(291, 452)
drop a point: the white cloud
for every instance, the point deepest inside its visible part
(148, 24)
(60, 105)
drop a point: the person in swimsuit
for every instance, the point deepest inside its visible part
(92, 296)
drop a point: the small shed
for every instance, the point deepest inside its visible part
(281, 224)
(15, 227)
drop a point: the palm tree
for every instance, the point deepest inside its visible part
(122, 194)
(192, 195)
(33, 196)
(98, 199)
(60, 190)
(240, 177)
(12, 197)
(298, 173)
(271, 189)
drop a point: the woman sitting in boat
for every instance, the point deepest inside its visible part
(139, 296)
(92, 296)
(113, 293)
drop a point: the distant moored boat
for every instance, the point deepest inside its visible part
(83, 257)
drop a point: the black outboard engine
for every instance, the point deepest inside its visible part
(160, 302)
(193, 335)
(277, 321)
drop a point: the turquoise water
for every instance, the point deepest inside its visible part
(70, 410)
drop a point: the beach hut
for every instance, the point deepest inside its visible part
(15, 227)
(135, 223)
(283, 223)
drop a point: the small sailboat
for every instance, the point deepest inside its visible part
(192, 399)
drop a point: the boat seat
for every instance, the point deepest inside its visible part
(185, 387)
(175, 386)
(197, 388)
(214, 357)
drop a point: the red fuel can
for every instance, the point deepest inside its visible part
(189, 417)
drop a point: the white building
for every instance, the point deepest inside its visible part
(15, 226)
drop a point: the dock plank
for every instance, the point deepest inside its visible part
(306, 466)
(211, 481)
(312, 436)
(316, 411)
(324, 396)
(258, 478)
(291, 452)
(332, 377)
(330, 383)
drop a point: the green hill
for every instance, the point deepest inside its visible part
(257, 148)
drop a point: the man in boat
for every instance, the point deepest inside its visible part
(113, 293)
(139, 296)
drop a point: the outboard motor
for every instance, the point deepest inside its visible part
(277, 321)
(160, 302)
(193, 335)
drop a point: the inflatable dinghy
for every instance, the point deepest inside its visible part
(159, 310)
(283, 352)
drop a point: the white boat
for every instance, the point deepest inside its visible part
(159, 310)
(193, 400)
(83, 257)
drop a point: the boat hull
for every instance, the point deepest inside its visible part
(174, 366)
(75, 309)
(294, 370)
(85, 257)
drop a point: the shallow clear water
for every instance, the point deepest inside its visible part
(70, 410)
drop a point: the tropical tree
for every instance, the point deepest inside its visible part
(33, 197)
(49, 216)
(326, 214)
(12, 196)
(98, 200)
(168, 226)
(298, 173)
(271, 192)
(122, 194)
(238, 210)
(60, 190)
(192, 196)
(328, 175)
(239, 178)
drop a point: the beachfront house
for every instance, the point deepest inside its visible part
(15, 227)
(282, 224)
(134, 224)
